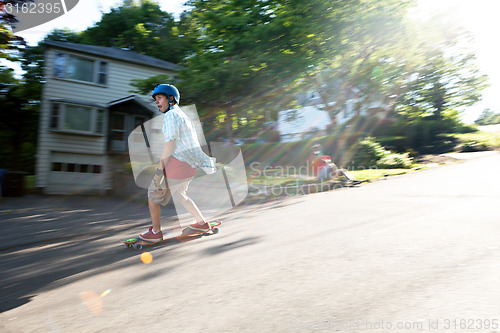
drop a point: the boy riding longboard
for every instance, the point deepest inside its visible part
(181, 155)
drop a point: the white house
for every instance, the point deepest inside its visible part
(294, 124)
(87, 112)
(311, 118)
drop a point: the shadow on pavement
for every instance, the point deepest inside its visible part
(230, 246)
(28, 271)
(48, 241)
(51, 241)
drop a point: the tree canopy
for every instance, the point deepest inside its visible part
(142, 27)
(246, 57)
(10, 44)
(252, 56)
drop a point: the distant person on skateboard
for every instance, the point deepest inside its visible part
(323, 167)
(177, 167)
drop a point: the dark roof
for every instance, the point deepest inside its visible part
(115, 53)
(134, 98)
(129, 105)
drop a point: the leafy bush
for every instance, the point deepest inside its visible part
(473, 145)
(368, 153)
(491, 140)
(464, 128)
(395, 161)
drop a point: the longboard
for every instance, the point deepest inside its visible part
(138, 244)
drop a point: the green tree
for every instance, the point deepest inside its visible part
(488, 117)
(20, 99)
(145, 86)
(18, 124)
(18, 116)
(142, 27)
(442, 80)
(253, 55)
(10, 44)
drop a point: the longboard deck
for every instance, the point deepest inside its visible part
(179, 234)
(354, 182)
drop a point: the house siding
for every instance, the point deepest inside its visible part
(88, 147)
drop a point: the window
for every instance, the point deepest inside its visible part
(59, 65)
(81, 69)
(54, 116)
(121, 126)
(100, 121)
(312, 94)
(57, 166)
(118, 127)
(77, 118)
(76, 168)
(102, 73)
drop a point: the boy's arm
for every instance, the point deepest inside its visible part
(168, 149)
(159, 176)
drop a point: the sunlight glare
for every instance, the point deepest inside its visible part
(146, 257)
(92, 301)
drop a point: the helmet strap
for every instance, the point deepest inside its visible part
(170, 102)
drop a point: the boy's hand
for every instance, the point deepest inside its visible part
(158, 182)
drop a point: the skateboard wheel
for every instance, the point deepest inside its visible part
(138, 246)
(215, 230)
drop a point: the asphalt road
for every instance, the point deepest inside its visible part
(418, 252)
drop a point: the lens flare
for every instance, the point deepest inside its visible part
(92, 301)
(146, 257)
(105, 292)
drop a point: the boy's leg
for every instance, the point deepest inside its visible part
(156, 197)
(179, 194)
(155, 212)
(347, 174)
(193, 209)
(350, 178)
(326, 173)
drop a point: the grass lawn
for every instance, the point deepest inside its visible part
(29, 182)
(375, 174)
(489, 139)
(369, 175)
